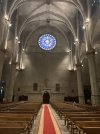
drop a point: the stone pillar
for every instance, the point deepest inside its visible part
(4, 25)
(2, 58)
(2, 46)
(80, 84)
(5, 36)
(9, 91)
(93, 78)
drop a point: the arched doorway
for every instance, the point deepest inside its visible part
(46, 98)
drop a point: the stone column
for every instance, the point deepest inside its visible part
(93, 78)
(2, 45)
(9, 91)
(80, 84)
(4, 25)
(2, 58)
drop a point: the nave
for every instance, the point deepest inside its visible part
(49, 52)
(55, 118)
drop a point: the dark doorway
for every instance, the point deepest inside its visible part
(23, 98)
(87, 94)
(46, 98)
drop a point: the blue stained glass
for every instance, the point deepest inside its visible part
(47, 42)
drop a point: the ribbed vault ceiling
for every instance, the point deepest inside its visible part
(61, 14)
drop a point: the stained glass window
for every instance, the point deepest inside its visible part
(47, 42)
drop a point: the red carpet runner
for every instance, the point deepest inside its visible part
(48, 123)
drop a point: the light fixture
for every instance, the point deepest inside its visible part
(23, 49)
(96, 52)
(10, 24)
(9, 62)
(75, 68)
(87, 20)
(6, 17)
(22, 67)
(17, 58)
(71, 69)
(76, 41)
(68, 50)
(19, 42)
(81, 61)
(16, 37)
(83, 27)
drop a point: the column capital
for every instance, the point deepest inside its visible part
(91, 52)
(78, 64)
(14, 63)
(3, 51)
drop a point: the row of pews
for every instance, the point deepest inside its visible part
(79, 119)
(18, 118)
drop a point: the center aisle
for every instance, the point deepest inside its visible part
(48, 124)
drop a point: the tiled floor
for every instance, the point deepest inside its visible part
(60, 122)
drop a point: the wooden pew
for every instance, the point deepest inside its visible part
(87, 126)
(18, 119)
(83, 118)
(71, 123)
(25, 119)
(79, 116)
(13, 128)
(62, 108)
(72, 113)
(91, 130)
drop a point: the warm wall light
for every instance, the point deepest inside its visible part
(17, 57)
(86, 23)
(70, 68)
(75, 68)
(68, 50)
(16, 37)
(87, 20)
(19, 42)
(6, 17)
(83, 27)
(9, 62)
(76, 41)
(10, 24)
(20, 68)
(96, 52)
(23, 67)
(6, 40)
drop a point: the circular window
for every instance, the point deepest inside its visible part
(47, 42)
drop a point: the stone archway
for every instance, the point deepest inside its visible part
(46, 98)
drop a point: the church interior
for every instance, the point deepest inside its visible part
(50, 66)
